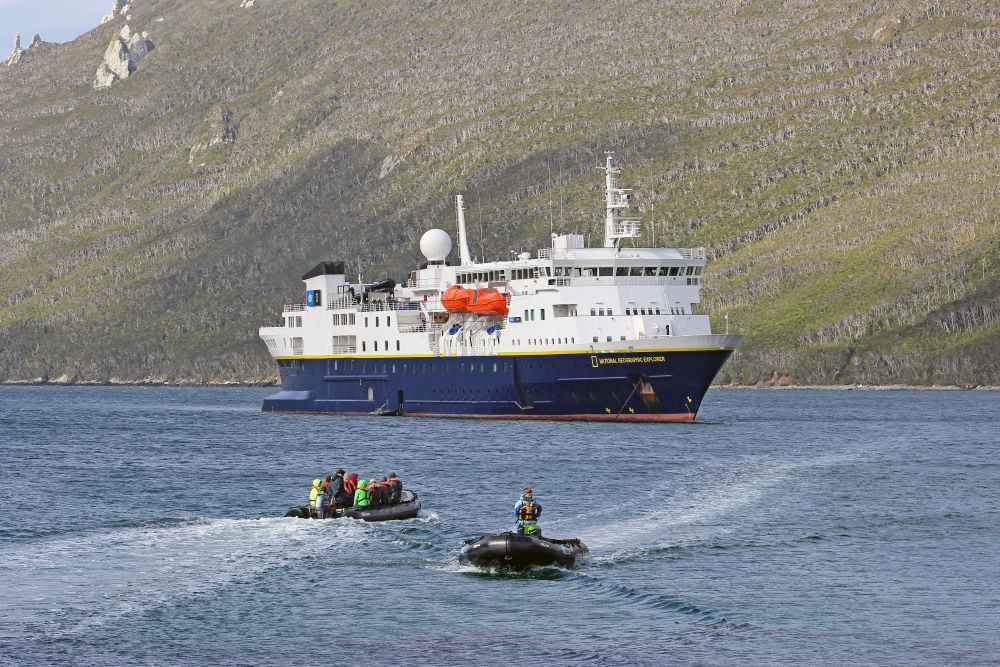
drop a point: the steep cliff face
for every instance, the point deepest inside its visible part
(840, 160)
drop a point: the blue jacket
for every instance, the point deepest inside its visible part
(520, 501)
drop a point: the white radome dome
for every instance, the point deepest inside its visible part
(435, 244)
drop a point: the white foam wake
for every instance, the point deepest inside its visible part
(76, 584)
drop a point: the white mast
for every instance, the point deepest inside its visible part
(463, 241)
(616, 199)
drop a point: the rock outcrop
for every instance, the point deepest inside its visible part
(36, 41)
(122, 55)
(395, 158)
(120, 8)
(888, 27)
(246, 4)
(222, 129)
(17, 53)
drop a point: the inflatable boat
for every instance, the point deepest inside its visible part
(515, 551)
(407, 508)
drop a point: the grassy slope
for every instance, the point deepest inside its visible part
(847, 188)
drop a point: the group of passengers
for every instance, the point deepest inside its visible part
(341, 490)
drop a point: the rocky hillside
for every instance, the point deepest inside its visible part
(162, 187)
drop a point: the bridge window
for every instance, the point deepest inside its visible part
(609, 339)
(593, 312)
(595, 339)
(674, 270)
(605, 271)
(621, 271)
(650, 271)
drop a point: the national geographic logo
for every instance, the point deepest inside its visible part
(597, 361)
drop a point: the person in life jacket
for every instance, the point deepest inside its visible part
(374, 493)
(362, 498)
(338, 486)
(395, 488)
(316, 498)
(350, 486)
(327, 491)
(384, 492)
(528, 510)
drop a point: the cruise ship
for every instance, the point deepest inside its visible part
(573, 333)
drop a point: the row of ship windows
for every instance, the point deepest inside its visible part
(634, 271)
(579, 272)
(385, 348)
(419, 367)
(343, 319)
(547, 341)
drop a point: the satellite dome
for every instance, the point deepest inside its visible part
(435, 244)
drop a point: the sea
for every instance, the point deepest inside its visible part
(144, 526)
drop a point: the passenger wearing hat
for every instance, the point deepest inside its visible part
(341, 497)
(316, 498)
(375, 492)
(362, 497)
(528, 510)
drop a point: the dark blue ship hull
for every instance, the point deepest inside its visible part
(614, 386)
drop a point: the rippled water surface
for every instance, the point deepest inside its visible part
(140, 526)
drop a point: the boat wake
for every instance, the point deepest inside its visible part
(70, 586)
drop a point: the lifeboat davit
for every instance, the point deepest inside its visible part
(487, 302)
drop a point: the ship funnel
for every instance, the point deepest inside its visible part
(463, 239)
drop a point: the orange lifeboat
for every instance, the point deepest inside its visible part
(456, 299)
(488, 302)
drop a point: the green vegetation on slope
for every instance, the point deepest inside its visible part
(843, 168)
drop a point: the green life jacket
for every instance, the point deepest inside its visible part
(313, 494)
(362, 498)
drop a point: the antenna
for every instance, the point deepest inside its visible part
(463, 242)
(562, 228)
(549, 165)
(652, 208)
(482, 243)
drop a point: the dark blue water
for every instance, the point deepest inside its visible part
(138, 527)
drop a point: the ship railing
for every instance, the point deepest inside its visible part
(565, 253)
(342, 303)
(422, 284)
(343, 349)
(417, 328)
(391, 306)
(293, 307)
(693, 253)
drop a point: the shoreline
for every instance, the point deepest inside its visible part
(274, 382)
